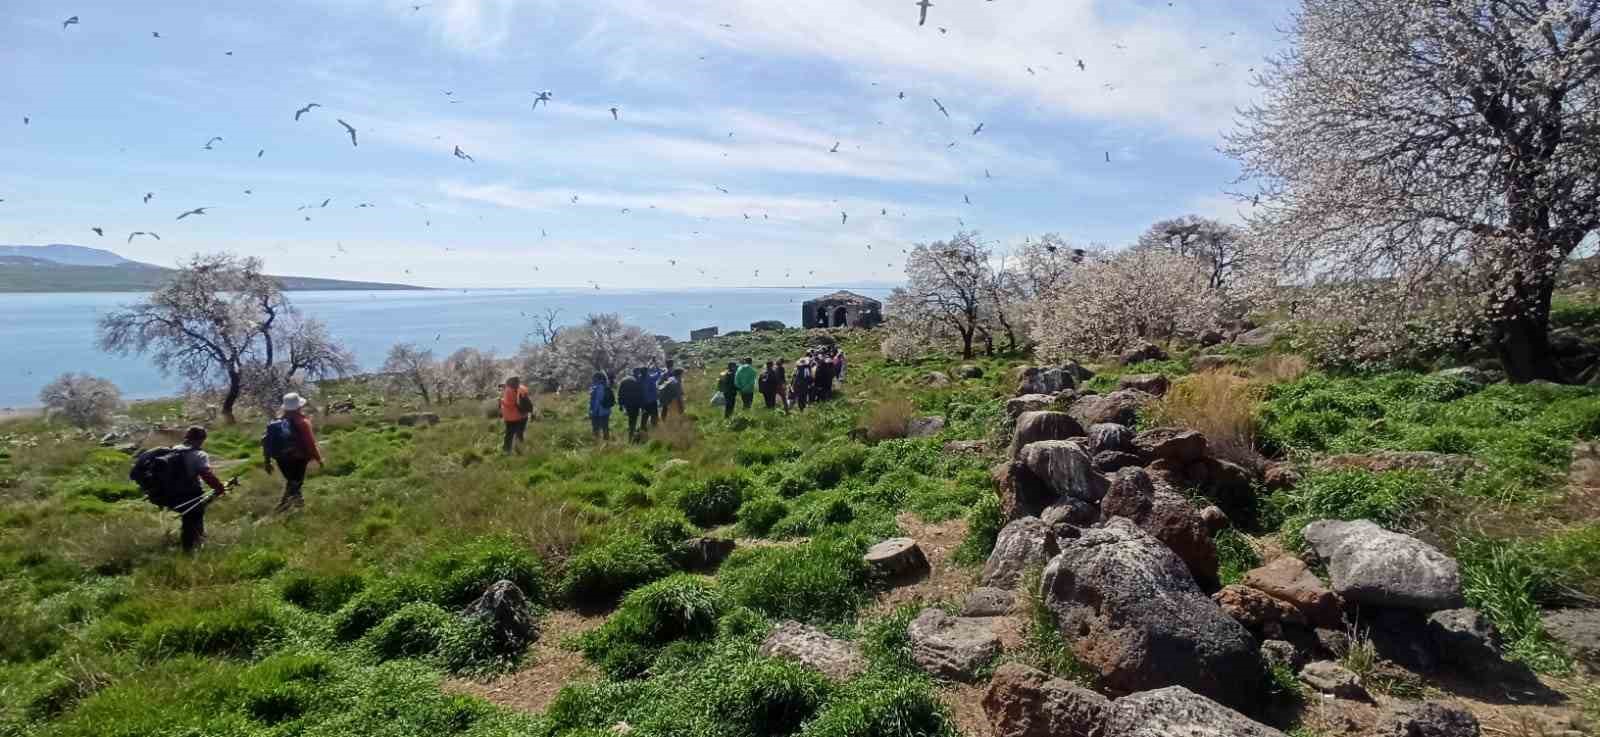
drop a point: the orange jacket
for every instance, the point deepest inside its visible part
(508, 404)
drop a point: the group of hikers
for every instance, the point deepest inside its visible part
(647, 395)
(814, 376)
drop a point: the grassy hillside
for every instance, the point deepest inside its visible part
(23, 274)
(339, 620)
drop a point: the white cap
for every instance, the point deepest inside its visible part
(292, 402)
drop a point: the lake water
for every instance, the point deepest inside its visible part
(44, 335)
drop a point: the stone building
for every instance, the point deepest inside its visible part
(841, 309)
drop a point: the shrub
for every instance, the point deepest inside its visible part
(714, 500)
(232, 630)
(463, 573)
(415, 630)
(758, 514)
(1392, 499)
(824, 579)
(284, 687)
(1220, 406)
(771, 697)
(676, 607)
(889, 419)
(1236, 554)
(320, 594)
(883, 706)
(83, 400)
(911, 454)
(599, 575)
(665, 530)
(376, 602)
(983, 529)
(813, 514)
(1503, 581)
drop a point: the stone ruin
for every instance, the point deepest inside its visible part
(841, 309)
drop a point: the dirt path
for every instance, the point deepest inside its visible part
(546, 667)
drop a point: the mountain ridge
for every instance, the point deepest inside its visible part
(60, 267)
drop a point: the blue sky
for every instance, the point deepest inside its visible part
(115, 113)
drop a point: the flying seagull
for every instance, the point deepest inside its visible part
(139, 233)
(214, 139)
(835, 148)
(260, 153)
(902, 95)
(978, 129)
(1108, 157)
(69, 22)
(349, 129)
(1081, 67)
(196, 211)
(147, 197)
(967, 199)
(986, 174)
(461, 154)
(614, 114)
(98, 231)
(924, 5)
(543, 97)
(155, 34)
(324, 203)
(722, 189)
(844, 217)
(24, 120)
(940, 105)
(415, 8)
(304, 110)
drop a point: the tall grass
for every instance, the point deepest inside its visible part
(889, 419)
(1220, 406)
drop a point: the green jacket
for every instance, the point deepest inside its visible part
(745, 378)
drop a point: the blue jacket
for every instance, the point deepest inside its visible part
(651, 377)
(597, 395)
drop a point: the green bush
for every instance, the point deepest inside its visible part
(833, 463)
(770, 697)
(463, 572)
(812, 514)
(1391, 499)
(377, 601)
(822, 580)
(665, 530)
(235, 630)
(415, 630)
(714, 500)
(758, 514)
(599, 575)
(1504, 581)
(677, 607)
(983, 529)
(319, 593)
(284, 687)
(1235, 555)
(883, 706)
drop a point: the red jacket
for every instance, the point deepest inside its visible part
(305, 441)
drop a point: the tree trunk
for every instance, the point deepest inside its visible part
(966, 344)
(235, 388)
(1522, 337)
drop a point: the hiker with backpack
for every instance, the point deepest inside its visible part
(171, 477)
(290, 443)
(670, 392)
(601, 400)
(727, 389)
(515, 408)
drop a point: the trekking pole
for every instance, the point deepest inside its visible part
(199, 501)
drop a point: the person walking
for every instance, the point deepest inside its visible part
(802, 383)
(745, 380)
(764, 385)
(196, 467)
(649, 413)
(727, 386)
(670, 393)
(780, 383)
(838, 365)
(302, 450)
(515, 409)
(823, 379)
(630, 394)
(601, 400)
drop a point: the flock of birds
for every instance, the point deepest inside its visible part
(546, 97)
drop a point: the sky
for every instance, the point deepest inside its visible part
(718, 168)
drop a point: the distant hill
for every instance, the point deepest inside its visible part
(64, 268)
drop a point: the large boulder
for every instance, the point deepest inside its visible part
(1035, 426)
(1015, 406)
(1259, 613)
(1326, 676)
(1167, 516)
(1023, 543)
(1466, 639)
(1065, 468)
(1133, 613)
(1427, 719)
(1021, 493)
(1140, 353)
(922, 427)
(1154, 384)
(1579, 631)
(1259, 337)
(1045, 380)
(1176, 711)
(1371, 565)
(837, 659)
(897, 558)
(988, 601)
(956, 648)
(1109, 436)
(1112, 461)
(1289, 579)
(505, 609)
(1173, 444)
(1120, 407)
(1025, 702)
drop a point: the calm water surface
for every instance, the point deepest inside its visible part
(43, 335)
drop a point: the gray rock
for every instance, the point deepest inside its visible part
(1167, 516)
(1469, 374)
(1155, 384)
(969, 371)
(1326, 676)
(1211, 363)
(417, 418)
(988, 601)
(1427, 719)
(1283, 652)
(897, 558)
(1070, 511)
(1176, 711)
(950, 647)
(934, 379)
(1467, 640)
(703, 553)
(1024, 543)
(1015, 406)
(837, 659)
(1215, 519)
(1042, 380)
(1025, 702)
(1120, 407)
(1371, 565)
(1174, 444)
(505, 609)
(1064, 467)
(922, 427)
(1111, 461)
(1258, 338)
(1142, 352)
(1579, 631)
(1133, 613)
(1109, 436)
(1033, 427)
(1331, 642)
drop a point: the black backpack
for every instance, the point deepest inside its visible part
(609, 399)
(163, 475)
(524, 404)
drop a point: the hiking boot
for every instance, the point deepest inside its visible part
(290, 502)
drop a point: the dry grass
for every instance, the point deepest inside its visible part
(1281, 368)
(889, 419)
(676, 432)
(1220, 406)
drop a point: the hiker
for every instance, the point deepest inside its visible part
(764, 385)
(822, 379)
(838, 365)
(670, 393)
(648, 409)
(630, 394)
(745, 380)
(802, 383)
(170, 478)
(600, 402)
(515, 408)
(727, 386)
(296, 455)
(780, 384)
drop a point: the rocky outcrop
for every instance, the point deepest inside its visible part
(1133, 613)
(1045, 380)
(837, 659)
(1288, 579)
(1108, 436)
(1258, 338)
(1371, 565)
(988, 601)
(1153, 384)
(1140, 353)
(1263, 615)
(1427, 719)
(922, 427)
(1025, 702)
(897, 558)
(1035, 426)
(1120, 407)
(1064, 467)
(704, 553)
(1326, 676)
(505, 609)
(1173, 444)
(1167, 516)
(1111, 461)
(1178, 712)
(1467, 640)
(1578, 630)
(1021, 544)
(955, 648)
(1015, 406)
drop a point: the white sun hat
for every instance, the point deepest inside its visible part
(292, 402)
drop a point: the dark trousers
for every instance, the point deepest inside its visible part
(650, 414)
(294, 477)
(770, 397)
(601, 424)
(747, 397)
(802, 396)
(633, 420)
(194, 528)
(515, 433)
(728, 399)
